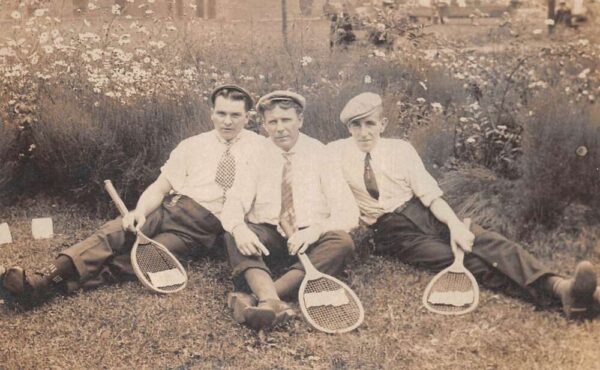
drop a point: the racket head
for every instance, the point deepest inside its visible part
(149, 257)
(452, 291)
(329, 318)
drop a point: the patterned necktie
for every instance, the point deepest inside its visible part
(370, 181)
(226, 169)
(287, 216)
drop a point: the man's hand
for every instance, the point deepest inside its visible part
(247, 242)
(461, 235)
(133, 220)
(302, 239)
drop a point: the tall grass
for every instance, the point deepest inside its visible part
(561, 157)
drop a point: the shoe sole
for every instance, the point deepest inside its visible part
(584, 288)
(259, 318)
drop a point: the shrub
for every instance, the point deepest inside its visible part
(81, 144)
(561, 159)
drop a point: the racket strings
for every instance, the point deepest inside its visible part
(329, 316)
(153, 259)
(451, 292)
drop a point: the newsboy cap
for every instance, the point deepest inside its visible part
(215, 92)
(360, 106)
(281, 95)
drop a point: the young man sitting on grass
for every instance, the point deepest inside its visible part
(292, 202)
(403, 205)
(198, 174)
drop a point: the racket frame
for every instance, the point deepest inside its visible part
(456, 267)
(141, 238)
(311, 273)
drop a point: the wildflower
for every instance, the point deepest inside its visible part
(423, 85)
(306, 60)
(368, 79)
(463, 119)
(549, 22)
(40, 12)
(420, 100)
(583, 74)
(87, 23)
(15, 15)
(149, 11)
(581, 151)
(7, 52)
(537, 31)
(150, 1)
(437, 107)
(116, 9)
(171, 28)
(124, 39)
(379, 53)
(471, 140)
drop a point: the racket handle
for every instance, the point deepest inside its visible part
(110, 189)
(308, 266)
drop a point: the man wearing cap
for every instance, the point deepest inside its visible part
(403, 205)
(291, 202)
(195, 180)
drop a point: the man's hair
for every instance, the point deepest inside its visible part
(236, 95)
(283, 104)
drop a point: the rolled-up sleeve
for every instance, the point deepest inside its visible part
(175, 169)
(344, 212)
(424, 186)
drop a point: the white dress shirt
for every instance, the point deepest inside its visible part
(192, 165)
(399, 172)
(321, 196)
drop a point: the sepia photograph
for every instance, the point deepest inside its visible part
(299, 184)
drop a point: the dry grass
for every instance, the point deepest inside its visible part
(124, 326)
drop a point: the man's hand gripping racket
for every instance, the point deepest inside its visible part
(153, 264)
(454, 290)
(327, 304)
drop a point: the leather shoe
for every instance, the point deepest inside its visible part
(238, 302)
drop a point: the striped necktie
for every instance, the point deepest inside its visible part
(287, 216)
(226, 169)
(370, 180)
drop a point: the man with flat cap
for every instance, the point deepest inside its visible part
(403, 205)
(195, 180)
(291, 202)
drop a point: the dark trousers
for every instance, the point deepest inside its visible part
(180, 224)
(329, 254)
(416, 237)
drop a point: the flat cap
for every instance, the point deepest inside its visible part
(213, 94)
(281, 95)
(360, 106)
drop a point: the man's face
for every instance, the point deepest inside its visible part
(283, 126)
(229, 117)
(366, 131)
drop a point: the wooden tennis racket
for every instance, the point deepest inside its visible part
(454, 290)
(327, 304)
(153, 264)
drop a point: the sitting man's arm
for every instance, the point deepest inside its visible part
(344, 213)
(459, 232)
(150, 199)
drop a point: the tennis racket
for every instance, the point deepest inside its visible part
(328, 304)
(153, 264)
(454, 290)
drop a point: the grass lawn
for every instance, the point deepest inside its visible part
(124, 326)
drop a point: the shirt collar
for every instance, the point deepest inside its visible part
(298, 147)
(232, 141)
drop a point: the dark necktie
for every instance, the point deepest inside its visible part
(370, 181)
(226, 169)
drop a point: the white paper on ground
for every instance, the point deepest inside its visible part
(5, 236)
(166, 278)
(41, 228)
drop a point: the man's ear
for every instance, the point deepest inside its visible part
(301, 118)
(384, 123)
